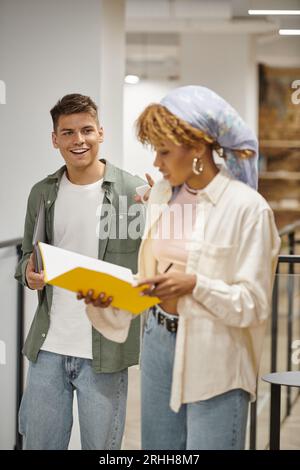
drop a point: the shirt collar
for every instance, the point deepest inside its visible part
(110, 173)
(217, 185)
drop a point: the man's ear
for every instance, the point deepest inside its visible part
(54, 140)
(101, 135)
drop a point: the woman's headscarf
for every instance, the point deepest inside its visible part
(205, 110)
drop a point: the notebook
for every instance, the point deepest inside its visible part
(39, 235)
(76, 272)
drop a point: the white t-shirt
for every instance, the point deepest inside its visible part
(75, 229)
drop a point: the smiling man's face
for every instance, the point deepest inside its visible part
(78, 137)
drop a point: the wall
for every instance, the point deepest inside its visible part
(226, 64)
(279, 51)
(138, 159)
(47, 49)
(112, 71)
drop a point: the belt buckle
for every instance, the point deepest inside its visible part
(168, 323)
(171, 325)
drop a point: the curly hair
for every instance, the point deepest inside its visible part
(157, 124)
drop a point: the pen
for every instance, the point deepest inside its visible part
(166, 270)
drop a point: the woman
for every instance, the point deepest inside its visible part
(209, 253)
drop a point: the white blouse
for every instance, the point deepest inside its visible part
(234, 251)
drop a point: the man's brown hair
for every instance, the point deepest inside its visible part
(73, 103)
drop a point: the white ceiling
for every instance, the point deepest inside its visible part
(154, 28)
(203, 15)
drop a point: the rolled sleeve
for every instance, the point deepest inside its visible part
(111, 322)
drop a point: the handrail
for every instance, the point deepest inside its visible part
(290, 260)
(12, 242)
(290, 228)
(17, 243)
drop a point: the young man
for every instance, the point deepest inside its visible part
(64, 351)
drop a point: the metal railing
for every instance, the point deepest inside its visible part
(291, 259)
(289, 231)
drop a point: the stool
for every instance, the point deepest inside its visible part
(276, 379)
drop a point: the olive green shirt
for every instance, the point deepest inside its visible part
(108, 356)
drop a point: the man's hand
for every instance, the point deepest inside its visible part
(101, 301)
(170, 285)
(34, 280)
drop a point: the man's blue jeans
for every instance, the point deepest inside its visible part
(45, 417)
(217, 423)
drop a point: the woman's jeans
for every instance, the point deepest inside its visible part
(45, 417)
(217, 423)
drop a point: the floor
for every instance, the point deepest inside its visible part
(290, 431)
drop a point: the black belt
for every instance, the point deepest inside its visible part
(170, 324)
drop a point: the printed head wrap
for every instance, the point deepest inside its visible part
(205, 110)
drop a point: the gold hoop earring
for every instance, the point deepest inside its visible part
(198, 161)
(220, 152)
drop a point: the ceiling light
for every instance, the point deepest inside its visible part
(289, 32)
(274, 12)
(131, 79)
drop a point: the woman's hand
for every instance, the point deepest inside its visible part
(101, 301)
(145, 197)
(170, 285)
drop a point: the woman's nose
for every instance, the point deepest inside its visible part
(156, 161)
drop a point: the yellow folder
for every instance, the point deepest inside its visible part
(75, 272)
